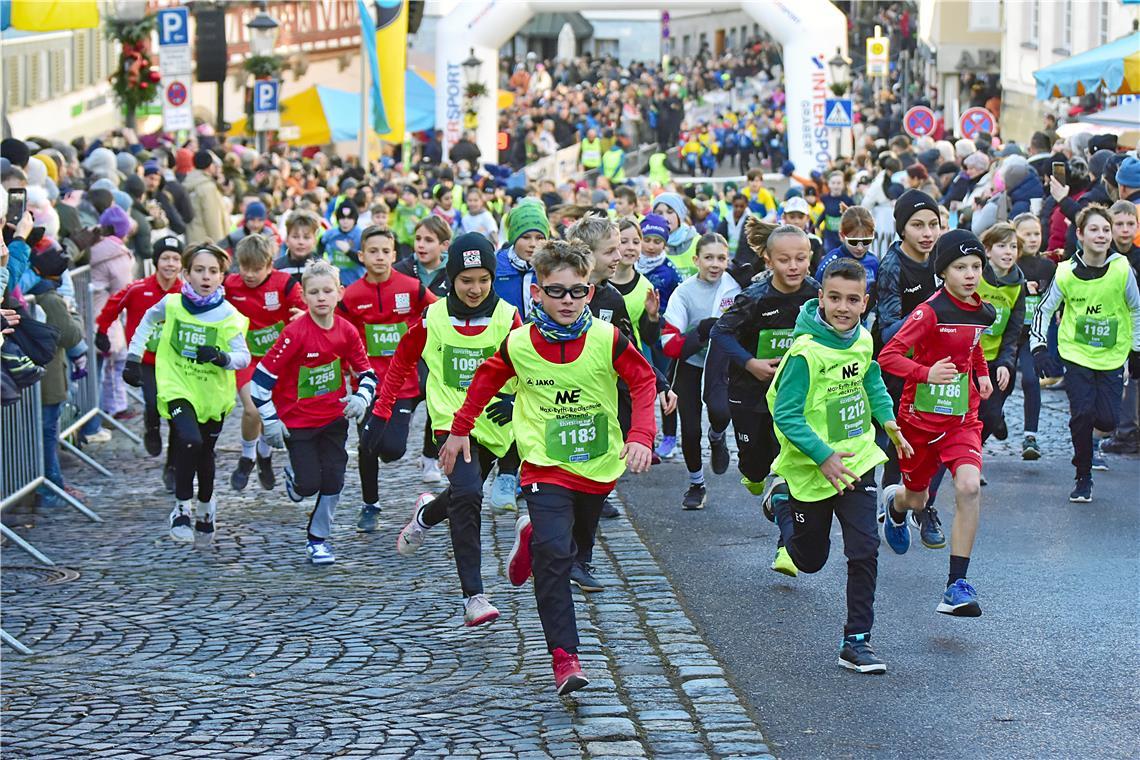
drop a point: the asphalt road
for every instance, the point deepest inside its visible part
(1051, 669)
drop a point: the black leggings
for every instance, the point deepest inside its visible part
(193, 445)
(756, 442)
(151, 418)
(687, 385)
(393, 446)
(460, 505)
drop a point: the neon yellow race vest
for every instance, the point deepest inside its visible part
(635, 304)
(209, 388)
(452, 359)
(685, 261)
(1003, 298)
(566, 414)
(1096, 328)
(591, 153)
(837, 410)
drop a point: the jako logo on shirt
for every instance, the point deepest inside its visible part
(471, 259)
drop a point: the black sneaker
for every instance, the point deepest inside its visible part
(582, 576)
(265, 474)
(1128, 444)
(1000, 431)
(240, 477)
(609, 509)
(719, 454)
(152, 442)
(856, 654)
(929, 528)
(694, 497)
(1082, 492)
(168, 478)
(1030, 451)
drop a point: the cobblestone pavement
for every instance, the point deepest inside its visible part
(147, 648)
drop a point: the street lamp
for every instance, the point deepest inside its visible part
(471, 68)
(262, 33)
(840, 69)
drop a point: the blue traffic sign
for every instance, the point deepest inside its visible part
(975, 120)
(838, 112)
(265, 96)
(918, 121)
(174, 26)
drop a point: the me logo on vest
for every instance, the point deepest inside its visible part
(568, 397)
(1092, 309)
(851, 370)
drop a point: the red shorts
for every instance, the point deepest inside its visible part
(245, 375)
(959, 445)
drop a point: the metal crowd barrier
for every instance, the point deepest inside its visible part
(22, 472)
(85, 392)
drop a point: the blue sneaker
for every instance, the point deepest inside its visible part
(929, 528)
(897, 536)
(667, 447)
(369, 518)
(320, 552)
(503, 492)
(960, 600)
(1099, 461)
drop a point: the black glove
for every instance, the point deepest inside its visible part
(132, 374)
(102, 343)
(1134, 365)
(371, 434)
(212, 355)
(502, 411)
(1045, 363)
(704, 328)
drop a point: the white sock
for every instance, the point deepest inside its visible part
(697, 478)
(264, 450)
(248, 448)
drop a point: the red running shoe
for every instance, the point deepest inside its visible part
(518, 561)
(568, 675)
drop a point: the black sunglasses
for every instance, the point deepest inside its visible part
(860, 241)
(577, 292)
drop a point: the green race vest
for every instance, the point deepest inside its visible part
(1003, 298)
(452, 359)
(657, 171)
(591, 153)
(837, 410)
(209, 388)
(1096, 327)
(684, 261)
(566, 414)
(612, 165)
(635, 304)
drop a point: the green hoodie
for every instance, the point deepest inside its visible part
(793, 382)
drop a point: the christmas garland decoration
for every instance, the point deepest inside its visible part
(136, 80)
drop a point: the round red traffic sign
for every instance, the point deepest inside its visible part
(176, 93)
(919, 121)
(975, 120)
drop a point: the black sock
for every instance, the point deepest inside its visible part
(958, 568)
(898, 518)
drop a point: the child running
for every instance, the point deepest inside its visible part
(755, 333)
(454, 337)
(1099, 334)
(823, 398)
(656, 267)
(135, 300)
(269, 298)
(301, 232)
(856, 236)
(1003, 287)
(201, 342)
(1039, 272)
(382, 306)
(299, 391)
(567, 364)
(693, 310)
(938, 353)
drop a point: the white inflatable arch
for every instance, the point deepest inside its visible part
(810, 31)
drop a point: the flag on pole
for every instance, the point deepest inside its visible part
(368, 34)
(50, 15)
(392, 44)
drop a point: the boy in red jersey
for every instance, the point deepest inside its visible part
(298, 389)
(382, 305)
(269, 298)
(945, 381)
(135, 299)
(568, 436)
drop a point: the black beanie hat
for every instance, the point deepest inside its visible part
(164, 244)
(203, 159)
(347, 210)
(16, 151)
(954, 245)
(909, 204)
(470, 251)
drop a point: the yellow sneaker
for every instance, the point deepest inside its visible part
(783, 563)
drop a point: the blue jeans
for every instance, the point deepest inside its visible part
(52, 469)
(1030, 388)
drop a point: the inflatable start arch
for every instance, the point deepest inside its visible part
(810, 31)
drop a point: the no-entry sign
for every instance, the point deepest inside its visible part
(975, 120)
(918, 121)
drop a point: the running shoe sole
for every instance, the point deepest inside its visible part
(573, 683)
(875, 669)
(519, 560)
(485, 618)
(1080, 499)
(969, 609)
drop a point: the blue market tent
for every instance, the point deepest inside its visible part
(1115, 65)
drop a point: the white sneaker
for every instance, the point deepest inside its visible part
(102, 435)
(431, 473)
(320, 553)
(181, 522)
(478, 610)
(412, 536)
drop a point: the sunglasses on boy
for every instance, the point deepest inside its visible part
(577, 292)
(865, 242)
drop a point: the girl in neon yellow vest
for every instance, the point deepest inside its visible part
(201, 343)
(1003, 287)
